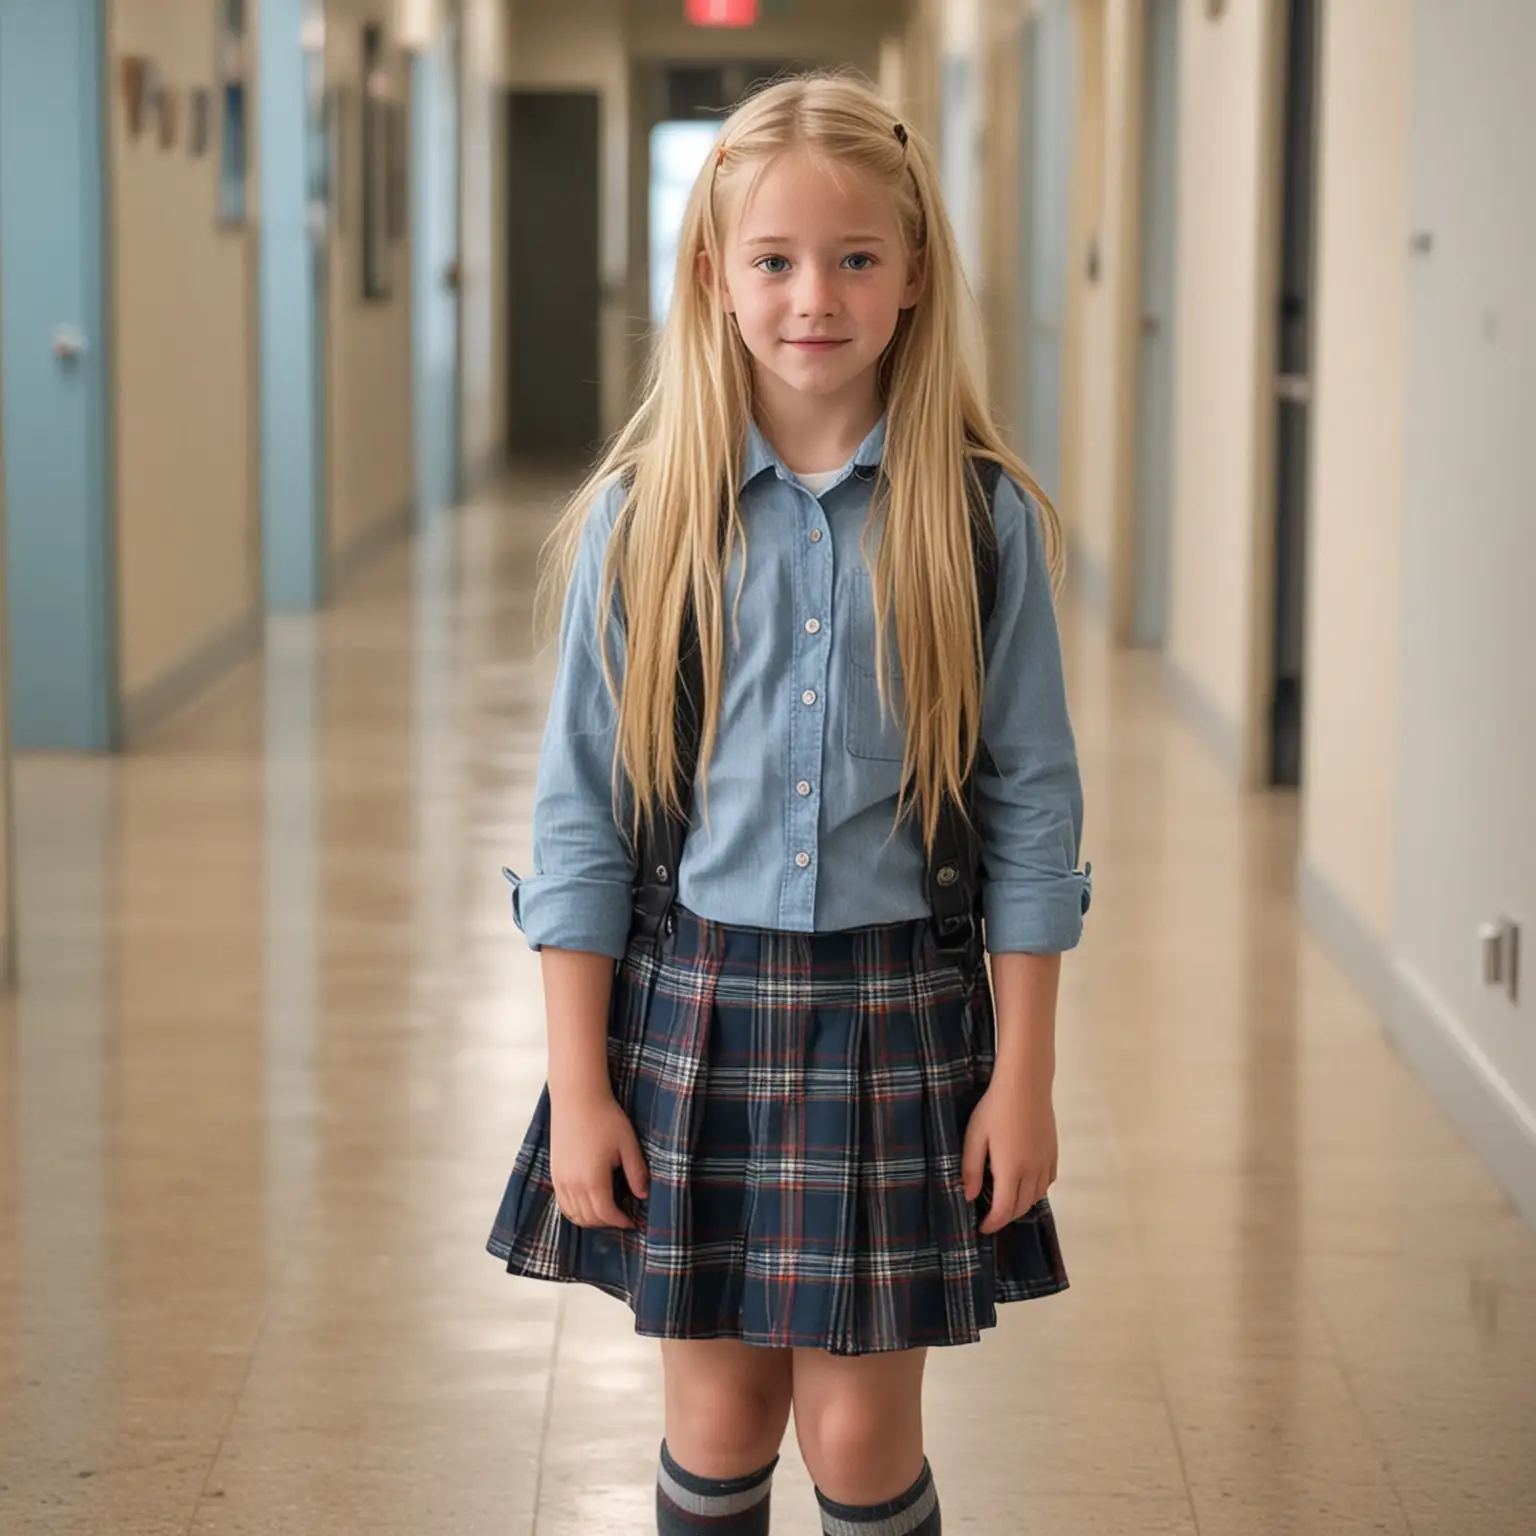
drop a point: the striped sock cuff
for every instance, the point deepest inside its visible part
(914, 1513)
(736, 1506)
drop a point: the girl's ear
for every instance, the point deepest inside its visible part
(707, 282)
(916, 276)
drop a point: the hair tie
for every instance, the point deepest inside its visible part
(720, 157)
(901, 134)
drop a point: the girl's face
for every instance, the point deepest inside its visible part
(817, 274)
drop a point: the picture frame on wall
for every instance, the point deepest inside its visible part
(199, 122)
(377, 101)
(232, 73)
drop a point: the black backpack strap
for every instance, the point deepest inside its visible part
(954, 867)
(659, 851)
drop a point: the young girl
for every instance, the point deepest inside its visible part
(808, 733)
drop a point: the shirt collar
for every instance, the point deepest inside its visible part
(759, 456)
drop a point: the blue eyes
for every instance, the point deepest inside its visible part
(777, 266)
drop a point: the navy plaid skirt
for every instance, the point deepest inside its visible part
(801, 1100)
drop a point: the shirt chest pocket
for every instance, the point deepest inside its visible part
(873, 731)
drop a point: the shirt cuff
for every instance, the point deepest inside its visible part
(1037, 917)
(569, 912)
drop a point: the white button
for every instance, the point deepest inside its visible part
(813, 626)
(802, 788)
(815, 535)
(803, 860)
(809, 696)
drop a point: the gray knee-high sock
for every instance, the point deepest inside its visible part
(687, 1504)
(914, 1513)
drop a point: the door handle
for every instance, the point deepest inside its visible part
(1293, 389)
(69, 344)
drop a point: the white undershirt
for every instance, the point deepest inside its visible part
(820, 482)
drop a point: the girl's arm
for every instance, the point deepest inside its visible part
(1030, 809)
(1025, 988)
(580, 893)
(576, 906)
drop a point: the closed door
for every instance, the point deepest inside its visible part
(1046, 167)
(435, 117)
(1154, 412)
(556, 378)
(53, 350)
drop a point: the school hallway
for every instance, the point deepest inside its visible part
(276, 1041)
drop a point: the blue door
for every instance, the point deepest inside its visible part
(60, 574)
(435, 277)
(295, 192)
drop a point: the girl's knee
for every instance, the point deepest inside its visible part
(722, 1428)
(853, 1436)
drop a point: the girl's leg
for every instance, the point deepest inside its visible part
(727, 1405)
(859, 1420)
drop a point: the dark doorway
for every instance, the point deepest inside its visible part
(1293, 388)
(555, 398)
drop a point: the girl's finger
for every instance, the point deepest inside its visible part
(1005, 1199)
(973, 1165)
(605, 1209)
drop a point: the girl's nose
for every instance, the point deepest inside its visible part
(816, 293)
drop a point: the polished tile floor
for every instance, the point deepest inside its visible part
(277, 1041)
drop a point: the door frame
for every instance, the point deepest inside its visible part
(1145, 620)
(438, 66)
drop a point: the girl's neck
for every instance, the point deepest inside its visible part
(815, 433)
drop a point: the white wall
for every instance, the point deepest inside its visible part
(1349, 794)
(1466, 771)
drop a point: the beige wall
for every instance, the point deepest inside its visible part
(483, 221)
(368, 343)
(1360, 369)
(184, 378)
(1219, 617)
(7, 839)
(1099, 388)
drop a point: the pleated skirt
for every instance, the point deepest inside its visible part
(801, 1101)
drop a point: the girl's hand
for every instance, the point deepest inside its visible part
(1014, 1128)
(589, 1137)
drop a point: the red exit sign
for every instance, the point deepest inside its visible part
(722, 13)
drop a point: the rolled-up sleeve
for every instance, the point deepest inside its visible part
(1030, 797)
(580, 894)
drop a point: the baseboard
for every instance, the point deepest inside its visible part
(350, 560)
(1467, 1086)
(151, 706)
(1203, 716)
(1452, 1068)
(1358, 950)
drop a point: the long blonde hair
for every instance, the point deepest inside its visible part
(681, 453)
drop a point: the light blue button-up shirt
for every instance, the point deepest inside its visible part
(805, 774)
